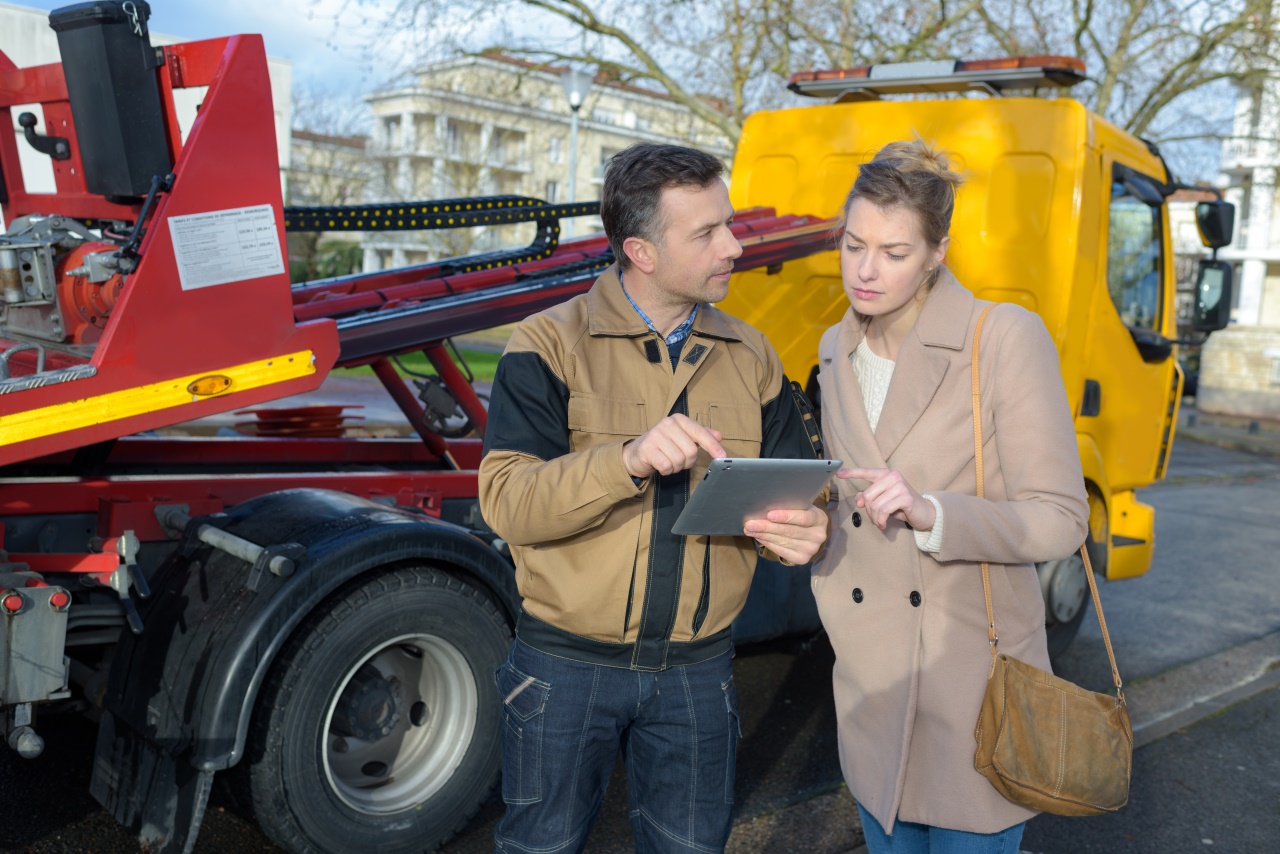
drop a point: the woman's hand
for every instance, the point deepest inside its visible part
(890, 495)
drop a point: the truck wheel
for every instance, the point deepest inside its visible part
(378, 726)
(1066, 598)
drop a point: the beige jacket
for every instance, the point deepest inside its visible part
(603, 578)
(909, 627)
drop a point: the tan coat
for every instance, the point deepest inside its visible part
(909, 677)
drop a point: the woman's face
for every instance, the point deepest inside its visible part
(885, 260)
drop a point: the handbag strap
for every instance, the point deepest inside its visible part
(993, 638)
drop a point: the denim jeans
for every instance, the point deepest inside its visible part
(911, 838)
(564, 722)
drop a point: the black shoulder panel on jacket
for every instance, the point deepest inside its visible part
(528, 408)
(785, 433)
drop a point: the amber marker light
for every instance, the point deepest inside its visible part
(1048, 63)
(210, 385)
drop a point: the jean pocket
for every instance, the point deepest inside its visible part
(524, 702)
(733, 734)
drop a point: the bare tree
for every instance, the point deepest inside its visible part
(327, 168)
(1151, 63)
(721, 59)
(1157, 68)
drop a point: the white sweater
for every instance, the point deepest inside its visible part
(874, 375)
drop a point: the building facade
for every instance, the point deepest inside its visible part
(1240, 366)
(495, 125)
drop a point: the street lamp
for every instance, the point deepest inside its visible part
(576, 85)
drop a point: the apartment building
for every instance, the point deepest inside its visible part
(1240, 366)
(496, 125)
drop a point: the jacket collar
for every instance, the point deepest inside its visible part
(609, 313)
(948, 300)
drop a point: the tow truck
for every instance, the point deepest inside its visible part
(315, 618)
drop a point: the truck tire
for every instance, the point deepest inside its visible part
(378, 725)
(1066, 599)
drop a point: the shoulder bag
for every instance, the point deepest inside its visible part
(1044, 742)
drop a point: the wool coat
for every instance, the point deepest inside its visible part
(909, 627)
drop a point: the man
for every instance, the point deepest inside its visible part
(604, 411)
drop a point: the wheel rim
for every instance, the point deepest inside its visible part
(1067, 589)
(425, 701)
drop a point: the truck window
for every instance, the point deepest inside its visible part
(1134, 258)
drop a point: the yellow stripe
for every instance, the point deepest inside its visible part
(169, 394)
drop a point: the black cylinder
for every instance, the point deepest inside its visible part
(110, 65)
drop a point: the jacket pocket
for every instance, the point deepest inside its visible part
(1017, 602)
(524, 703)
(597, 419)
(739, 426)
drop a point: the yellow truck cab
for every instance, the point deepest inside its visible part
(1062, 212)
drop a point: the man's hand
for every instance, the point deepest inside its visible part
(670, 446)
(793, 535)
(890, 495)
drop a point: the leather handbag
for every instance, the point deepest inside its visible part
(1044, 742)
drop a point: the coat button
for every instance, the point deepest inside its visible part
(857, 519)
(915, 599)
(857, 594)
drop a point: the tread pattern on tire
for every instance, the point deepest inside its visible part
(306, 641)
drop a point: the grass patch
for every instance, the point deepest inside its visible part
(482, 364)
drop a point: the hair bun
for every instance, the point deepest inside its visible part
(918, 156)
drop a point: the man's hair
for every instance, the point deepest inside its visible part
(631, 201)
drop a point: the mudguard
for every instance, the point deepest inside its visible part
(181, 694)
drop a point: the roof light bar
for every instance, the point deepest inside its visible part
(946, 75)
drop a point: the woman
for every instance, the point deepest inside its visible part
(900, 589)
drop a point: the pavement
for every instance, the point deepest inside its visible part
(1252, 435)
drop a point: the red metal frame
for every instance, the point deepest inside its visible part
(157, 330)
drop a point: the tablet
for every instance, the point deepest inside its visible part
(735, 490)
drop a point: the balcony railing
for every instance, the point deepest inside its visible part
(1244, 152)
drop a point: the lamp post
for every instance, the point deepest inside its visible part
(576, 85)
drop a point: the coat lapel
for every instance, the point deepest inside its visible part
(923, 360)
(848, 415)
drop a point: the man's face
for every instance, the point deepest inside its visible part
(695, 253)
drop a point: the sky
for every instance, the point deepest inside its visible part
(330, 43)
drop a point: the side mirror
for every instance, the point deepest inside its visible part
(1216, 220)
(1213, 292)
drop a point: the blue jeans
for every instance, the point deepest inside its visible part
(911, 838)
(564, 722)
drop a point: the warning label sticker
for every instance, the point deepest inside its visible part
(218, 247)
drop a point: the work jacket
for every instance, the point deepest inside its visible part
(909, 627)
(603, 578)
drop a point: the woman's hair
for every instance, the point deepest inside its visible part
(912, 176)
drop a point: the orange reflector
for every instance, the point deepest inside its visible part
(212, 384)
(13, 602)
(858, 73)
(60, 600)
(1048, 63)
